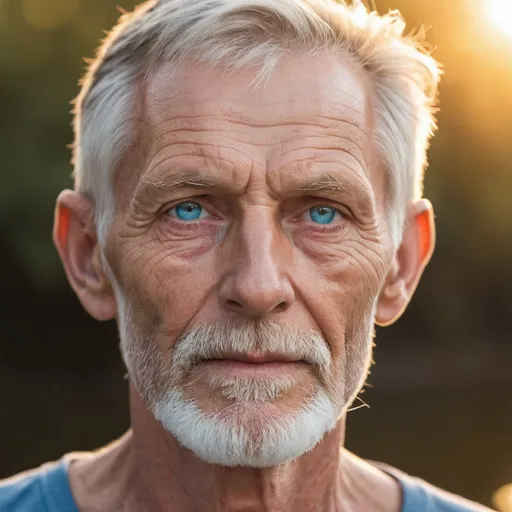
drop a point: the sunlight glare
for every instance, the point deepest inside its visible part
(500, 13)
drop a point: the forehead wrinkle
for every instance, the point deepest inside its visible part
(192, 150)
(311, 113)
(165, 135)
(351, 141)
(309, 164)
(351, 156)
(211, 138)
(206, 93)
(217, 118)
(229, 111)
(208, 176)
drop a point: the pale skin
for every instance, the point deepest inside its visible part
(256, 162)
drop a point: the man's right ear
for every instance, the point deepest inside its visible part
(74, 235)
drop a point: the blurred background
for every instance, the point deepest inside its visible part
(440, 395)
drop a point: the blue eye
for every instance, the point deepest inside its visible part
(323, 214)
(187, 211)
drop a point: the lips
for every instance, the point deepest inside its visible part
(256, 358)
(251, 367)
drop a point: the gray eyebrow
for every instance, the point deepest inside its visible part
(190, 178)
(194, 178)
(328, 182)
(182, 179)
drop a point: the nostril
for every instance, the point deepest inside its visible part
(234, 304)
(280, 307)
(239, 306)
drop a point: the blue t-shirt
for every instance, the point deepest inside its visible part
(47, 489)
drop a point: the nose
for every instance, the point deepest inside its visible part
(256, 284)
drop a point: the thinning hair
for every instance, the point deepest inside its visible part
(241, 33)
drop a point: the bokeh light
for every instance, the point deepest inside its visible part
(49, 14)
(503, 499)
(500, 13)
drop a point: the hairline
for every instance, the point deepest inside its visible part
(403, 75)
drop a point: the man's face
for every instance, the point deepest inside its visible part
(249, 249)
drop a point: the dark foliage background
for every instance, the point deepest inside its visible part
(440, 393)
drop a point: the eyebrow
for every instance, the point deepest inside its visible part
(189, 178)
(329, 182)
(326, 182)
(193, 178)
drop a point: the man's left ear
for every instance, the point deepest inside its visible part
(408, 263)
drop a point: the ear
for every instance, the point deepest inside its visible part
(408, 264)
(74, 235)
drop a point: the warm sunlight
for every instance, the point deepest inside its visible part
(503, 499)
(500, 13)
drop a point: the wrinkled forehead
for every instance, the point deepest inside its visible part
(319, 102)
(299, 88)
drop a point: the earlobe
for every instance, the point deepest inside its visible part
(408, 264)
(74, 236)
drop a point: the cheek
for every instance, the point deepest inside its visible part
(188, 241)
(345, 257)
(181, 290)
(343, 284)
(321, 249)
(166, 288)
(351, 271)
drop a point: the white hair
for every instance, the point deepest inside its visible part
(239, 33)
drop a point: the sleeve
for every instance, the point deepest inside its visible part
(22, 493)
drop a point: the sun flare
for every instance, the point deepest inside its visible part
(500, 13)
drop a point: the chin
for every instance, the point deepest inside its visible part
(247, 433)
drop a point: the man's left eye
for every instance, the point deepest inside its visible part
(188, 211)
(323, 214)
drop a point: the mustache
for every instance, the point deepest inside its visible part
(214, 341)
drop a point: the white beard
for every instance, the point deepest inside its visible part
(224, 438)
(219, 441)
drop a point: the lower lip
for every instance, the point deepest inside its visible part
(233, 368)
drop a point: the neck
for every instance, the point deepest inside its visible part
(151, 471)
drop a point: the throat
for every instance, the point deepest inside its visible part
(147, 469)
(179, 480)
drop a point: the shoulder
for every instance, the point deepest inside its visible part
(45, 489)
(419, 496)
(23, 492)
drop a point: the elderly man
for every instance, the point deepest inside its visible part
(248, 205)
